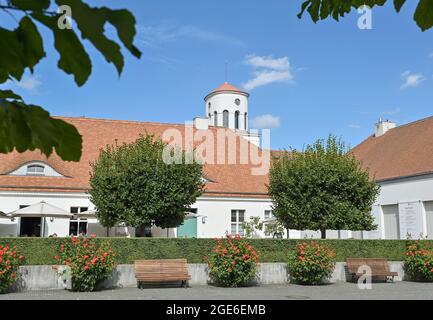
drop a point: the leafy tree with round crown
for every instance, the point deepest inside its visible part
(132, 184)
(322, 188)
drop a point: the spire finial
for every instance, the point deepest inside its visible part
(226, 71)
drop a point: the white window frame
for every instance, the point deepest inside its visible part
(77, 220)
(271, 214)
(237, 223)
(35, 173)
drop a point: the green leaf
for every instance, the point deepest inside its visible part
(9, 94)
(313, 10)
(32, 44)
(31, 4)
(339, 8)
(91, 23)
(303, 8)
(73, 57)
(424, 14)
(28, 127)
(20, 49)
(398, 4)
(124, 22)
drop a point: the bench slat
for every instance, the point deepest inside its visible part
(161, 270)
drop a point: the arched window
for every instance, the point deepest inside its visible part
(237, 120)
(245, 121)
(208, 107)
(35, 169)
(225, 119)
(215, 118)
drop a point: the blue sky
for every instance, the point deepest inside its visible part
(325, 78)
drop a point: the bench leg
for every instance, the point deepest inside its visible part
(184, 284)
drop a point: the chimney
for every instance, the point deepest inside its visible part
(383, 127)
(201, 123)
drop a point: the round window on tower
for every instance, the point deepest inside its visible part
(237, 102)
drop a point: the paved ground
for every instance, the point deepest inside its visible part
(380, 291)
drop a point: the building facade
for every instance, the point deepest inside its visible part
(400, 160)
(233, 194)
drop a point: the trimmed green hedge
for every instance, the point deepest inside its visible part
(42, 250)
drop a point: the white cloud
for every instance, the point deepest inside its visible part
(265, 121)
(353, 126)
(167, 31)
(411, 80)
(30, 83)
(391, 112)
(263, 78)
(268, 62)
(268, 70)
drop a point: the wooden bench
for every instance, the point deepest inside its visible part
(162, 270)
(379, 268)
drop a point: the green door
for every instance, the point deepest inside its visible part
(188, 229)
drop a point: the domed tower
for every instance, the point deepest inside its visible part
(227, 106)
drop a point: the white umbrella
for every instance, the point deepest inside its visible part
(87, 214)
(192, 215)
(41, 209)
(3, 215)
(272, 219)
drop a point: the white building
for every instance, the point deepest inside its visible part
(233, 192)
(400, 160)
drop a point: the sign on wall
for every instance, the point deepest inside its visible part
(410, 219)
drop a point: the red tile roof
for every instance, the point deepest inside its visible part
(227, 87)
(401, 152)
(231, 180)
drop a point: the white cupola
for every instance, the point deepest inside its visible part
(227, 106)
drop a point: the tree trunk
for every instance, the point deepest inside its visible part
(108, 232)
(288, 235)
(323, 233)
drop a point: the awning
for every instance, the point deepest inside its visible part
(41, 209)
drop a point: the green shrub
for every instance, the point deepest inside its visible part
(232, 262)
(311, 263)
(418, 263)
(10, 260)
(40, 251)
(89, 261)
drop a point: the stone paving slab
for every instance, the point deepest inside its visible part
(343, 291)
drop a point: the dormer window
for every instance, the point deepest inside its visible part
(35, 169)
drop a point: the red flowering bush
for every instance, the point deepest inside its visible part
(311, 263)
(418, 263)
(10, 260)
(89, 261)
(233, 262)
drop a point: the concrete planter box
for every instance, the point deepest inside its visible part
(45, 278)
